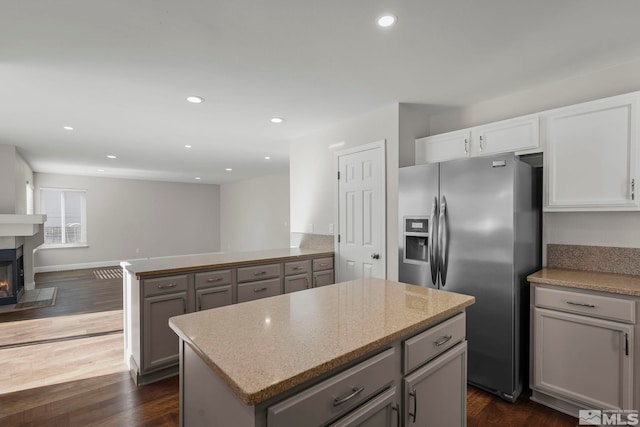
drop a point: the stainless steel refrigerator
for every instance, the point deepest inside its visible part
(473, 226)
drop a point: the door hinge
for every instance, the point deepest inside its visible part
(338, 175)
(338, 238)
(633, 189)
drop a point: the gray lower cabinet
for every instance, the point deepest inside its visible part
(160, 347)
(218, 296)
(583, 359)
(215, 288)
(435, 395)
(381, 411)
(323, 278)
(582, 349)
(261, 289)
(295, 283)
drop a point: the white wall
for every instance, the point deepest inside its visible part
(158, 218)
(254, 214)
(7, 179)
(24, 175)
(313, 180)
(413, 124)
(591, 228)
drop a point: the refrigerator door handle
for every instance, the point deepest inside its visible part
(443, 242)
(433, 241)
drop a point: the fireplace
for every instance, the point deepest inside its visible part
(11, 275)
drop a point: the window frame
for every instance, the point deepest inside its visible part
(83, 217)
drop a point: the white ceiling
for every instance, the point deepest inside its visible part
(119, 71)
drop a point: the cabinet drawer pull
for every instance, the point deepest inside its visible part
(340, 400)
(323, 265)
(297, 268)
(259, 273)
(466, 151)
(214, 279)
(580, 304)
(481, 147)
(259, 289)
(415, 406)
(443, 340)
(170, 285)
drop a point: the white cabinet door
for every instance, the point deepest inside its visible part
(443, 147)
(436, 394)
(506, 136)
(584, 359)
(592, 158)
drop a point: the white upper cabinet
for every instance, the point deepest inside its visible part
(504, 136)
(443, 147)
(591, 158)
(508, 135)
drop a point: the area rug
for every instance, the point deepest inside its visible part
(108, 273)
(37, 298)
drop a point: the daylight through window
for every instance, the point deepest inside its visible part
(66, 217)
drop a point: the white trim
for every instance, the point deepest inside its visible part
(381, 144)
(63, 245)
(81, 266)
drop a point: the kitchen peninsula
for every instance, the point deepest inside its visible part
(366, 350)
(156, 289)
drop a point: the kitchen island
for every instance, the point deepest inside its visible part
(156, 289)
(367, 350)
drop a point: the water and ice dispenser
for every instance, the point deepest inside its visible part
(416, 239)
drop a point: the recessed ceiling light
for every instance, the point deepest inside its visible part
(111, 156)
(187, 146)
(387, 20)
(197, 177)
(228, 169)
(67, 128)
(267, 158)
(195, 99)
(277, 120)
(100, 170)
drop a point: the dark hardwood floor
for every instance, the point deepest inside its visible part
(113, 400)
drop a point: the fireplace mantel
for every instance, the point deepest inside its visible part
(20, 225)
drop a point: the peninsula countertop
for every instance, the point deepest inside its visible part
(590, 280)
(188, 263)
(264, 347)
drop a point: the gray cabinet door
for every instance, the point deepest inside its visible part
(435, 395)
(323, 278)
(382, 411)
(584, 359)
(298, 282)
(218, 296)
(160, 347)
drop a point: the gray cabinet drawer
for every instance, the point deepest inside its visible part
(214, 297)
(259, 272)
(299, 282)
(260, 289)
(323, 278)
(165, 285)
(297, 267)
(323, 264)
(381, 411)
(212, 278)
(606, 307)
(425, 346)
(336, 395)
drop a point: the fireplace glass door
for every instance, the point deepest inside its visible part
(6, 281)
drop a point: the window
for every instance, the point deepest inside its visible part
(66, 217)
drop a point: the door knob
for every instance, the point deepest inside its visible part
(375, 256)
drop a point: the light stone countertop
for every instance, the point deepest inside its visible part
(265, 347)
(187, 263)
(604, 282)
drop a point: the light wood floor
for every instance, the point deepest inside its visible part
(82, 381)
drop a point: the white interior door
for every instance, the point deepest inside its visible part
(361, 212)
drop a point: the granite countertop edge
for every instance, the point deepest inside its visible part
(614, 283)
(256, 397)
(243, 258)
